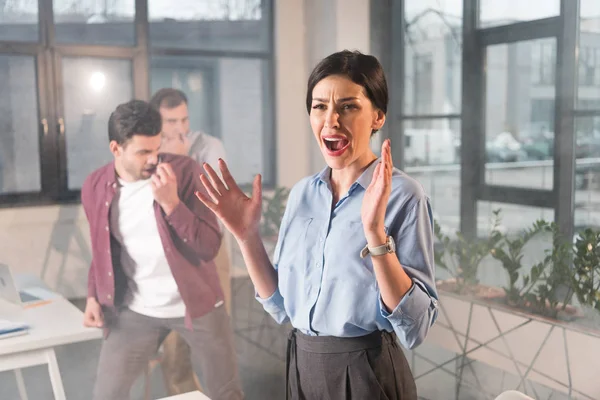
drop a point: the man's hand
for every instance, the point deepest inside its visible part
(93, 316)
(164, 188)
(176, 144)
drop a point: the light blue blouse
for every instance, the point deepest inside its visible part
(325, 288)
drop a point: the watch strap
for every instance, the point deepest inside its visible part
(385, 248)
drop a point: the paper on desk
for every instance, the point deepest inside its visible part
(10, 327)
(13, 334)
(40, 293)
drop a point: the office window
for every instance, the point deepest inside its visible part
(543, 63)
(94, 22)
(227, 99)
(519, 116)
(93, 88)
(589, 56)
(55, 110)
(198, 79)
(432, 42)
(19, 21)
(423, 86)
(19, 147)
(587, 172)
(239, 25)
(589, 66)
(495, 13)
(542, 111)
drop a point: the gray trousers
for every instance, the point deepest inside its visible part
(133, 341)
(371, 367)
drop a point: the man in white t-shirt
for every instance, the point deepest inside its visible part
(153, 250)
(203, 148)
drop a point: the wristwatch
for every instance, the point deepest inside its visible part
(388, 247)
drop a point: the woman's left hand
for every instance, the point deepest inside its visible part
(377, 195)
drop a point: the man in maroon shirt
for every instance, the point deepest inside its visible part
(152, 271)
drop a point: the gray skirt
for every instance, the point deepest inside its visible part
(371, 367)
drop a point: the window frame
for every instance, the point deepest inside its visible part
(47, 54)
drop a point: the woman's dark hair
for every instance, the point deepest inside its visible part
(135, 117)
(362, 69)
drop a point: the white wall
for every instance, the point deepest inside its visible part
(52, 241)
(291, 129)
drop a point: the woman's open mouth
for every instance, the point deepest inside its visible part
(335, 145)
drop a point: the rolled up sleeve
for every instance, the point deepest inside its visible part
(413, 316)
(274, 306)
(417, 310)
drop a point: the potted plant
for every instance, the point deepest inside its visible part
(509, 251)
(586, 274)
(536, 301)
(549, 290)
(542, 290)
(461, 258)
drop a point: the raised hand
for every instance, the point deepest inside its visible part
(377, 195)
(175, 144)
(239, 213)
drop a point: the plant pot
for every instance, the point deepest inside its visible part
(570, 312)
(591, 318)
(498, 296)
(478, 290)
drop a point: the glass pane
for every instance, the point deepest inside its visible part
(19, 130)
(92, 90)
(219, 89)
(431, 154)
(431, 142)
(587, 186)
(95, 22)
(589, 56)
(519, 125)
(587, 173)
(433, 43)
(494, 12)
(211, 25)
(19, 20)
(197, 78)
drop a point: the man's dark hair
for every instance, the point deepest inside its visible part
(135, 117)
(168, 98)
(362, 69)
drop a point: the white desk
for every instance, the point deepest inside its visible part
(51, 325)
(188, 396)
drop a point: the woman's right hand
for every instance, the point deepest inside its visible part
(239, 213)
